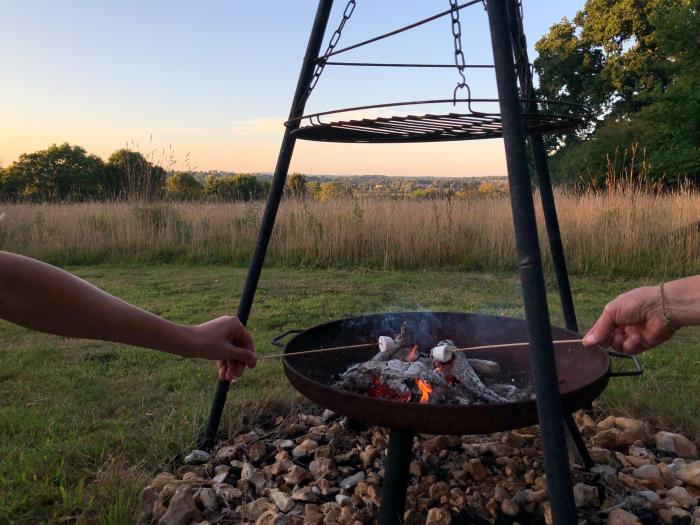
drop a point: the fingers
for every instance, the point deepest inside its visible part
(633, 344)
(602, 330)
(245, 356)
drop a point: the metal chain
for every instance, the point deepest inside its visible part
(520, 48)
(335, 38)
(460, 62)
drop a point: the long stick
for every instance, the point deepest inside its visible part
(370, 345)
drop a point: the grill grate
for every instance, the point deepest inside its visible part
(539, 116)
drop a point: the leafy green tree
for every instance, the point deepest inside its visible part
(58, 173)
(606, 58)
(636, 65)
(183, 186)
(672, 119)
(296, 186)
(241, 187)
(131, 176)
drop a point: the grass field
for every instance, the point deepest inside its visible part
(625, 232)
(83, 424)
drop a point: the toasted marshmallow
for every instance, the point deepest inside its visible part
(441, 353)
(386, 344)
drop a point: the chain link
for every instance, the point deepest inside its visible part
(335, 38)
(520, 50)
(460, 62)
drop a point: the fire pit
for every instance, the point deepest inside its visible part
(583, 373)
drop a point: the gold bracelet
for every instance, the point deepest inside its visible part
(667, 317)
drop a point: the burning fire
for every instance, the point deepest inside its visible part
(412, 355)
(380, 390)
(425, 390)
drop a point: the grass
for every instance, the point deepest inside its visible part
(621, 232)
(83, 424)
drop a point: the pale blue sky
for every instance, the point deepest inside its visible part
(215, 79)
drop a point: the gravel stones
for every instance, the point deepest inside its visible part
(309, 468)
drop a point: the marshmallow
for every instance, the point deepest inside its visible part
(441, 353)
(386, 344)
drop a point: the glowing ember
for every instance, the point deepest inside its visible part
(383, 391)
(425, 390)
(412, 355)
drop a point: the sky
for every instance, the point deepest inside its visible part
(207, 85)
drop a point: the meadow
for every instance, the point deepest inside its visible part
(84, 424)
(627, 233)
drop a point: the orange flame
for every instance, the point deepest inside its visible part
(412, 355)
(425, 390)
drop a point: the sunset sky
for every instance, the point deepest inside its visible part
(214, 79)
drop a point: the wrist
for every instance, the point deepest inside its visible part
(682, 302)
(188, 341)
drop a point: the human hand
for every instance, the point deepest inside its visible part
(632, 322)
(226, 340)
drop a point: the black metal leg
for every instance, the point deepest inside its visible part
(578, 441)
(395, 483)
(552, 222)
(268, 221)
(549, 407)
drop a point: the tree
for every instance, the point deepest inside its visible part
(183, 186)
(241, 187)
(334, 190)
(672, 119)
(636, 65)
(296, 186)
(131, 176)
(58, 173)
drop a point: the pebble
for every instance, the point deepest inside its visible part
(197, 457)
(181, 509)
(622, 517)
(676, 444)
(681, 497)
(283, 502)
(322, 468)
(647, 472)
(258, 507)
(509, 507)
(650, 496)
(475, 468)
(305, 494)
(690, 474)
(271, 517)
(343, 500)
(305, 447)
(351, 481)
(207, 496)
(226, 454)
(253, 476)
(296, 475)
(438, 516)
(674, 515)
(584, 494)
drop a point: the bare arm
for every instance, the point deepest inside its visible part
(42, 297)
(635, 321)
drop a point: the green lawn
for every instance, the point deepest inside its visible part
(82, 424)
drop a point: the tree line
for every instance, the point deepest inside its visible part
(66, 173)
(636, 65)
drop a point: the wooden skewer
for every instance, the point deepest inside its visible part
(370, 345)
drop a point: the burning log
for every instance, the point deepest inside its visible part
(400, 372)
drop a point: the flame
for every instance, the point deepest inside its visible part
(425, 390)
(412, 355)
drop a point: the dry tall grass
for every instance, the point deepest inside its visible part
(630, 232)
